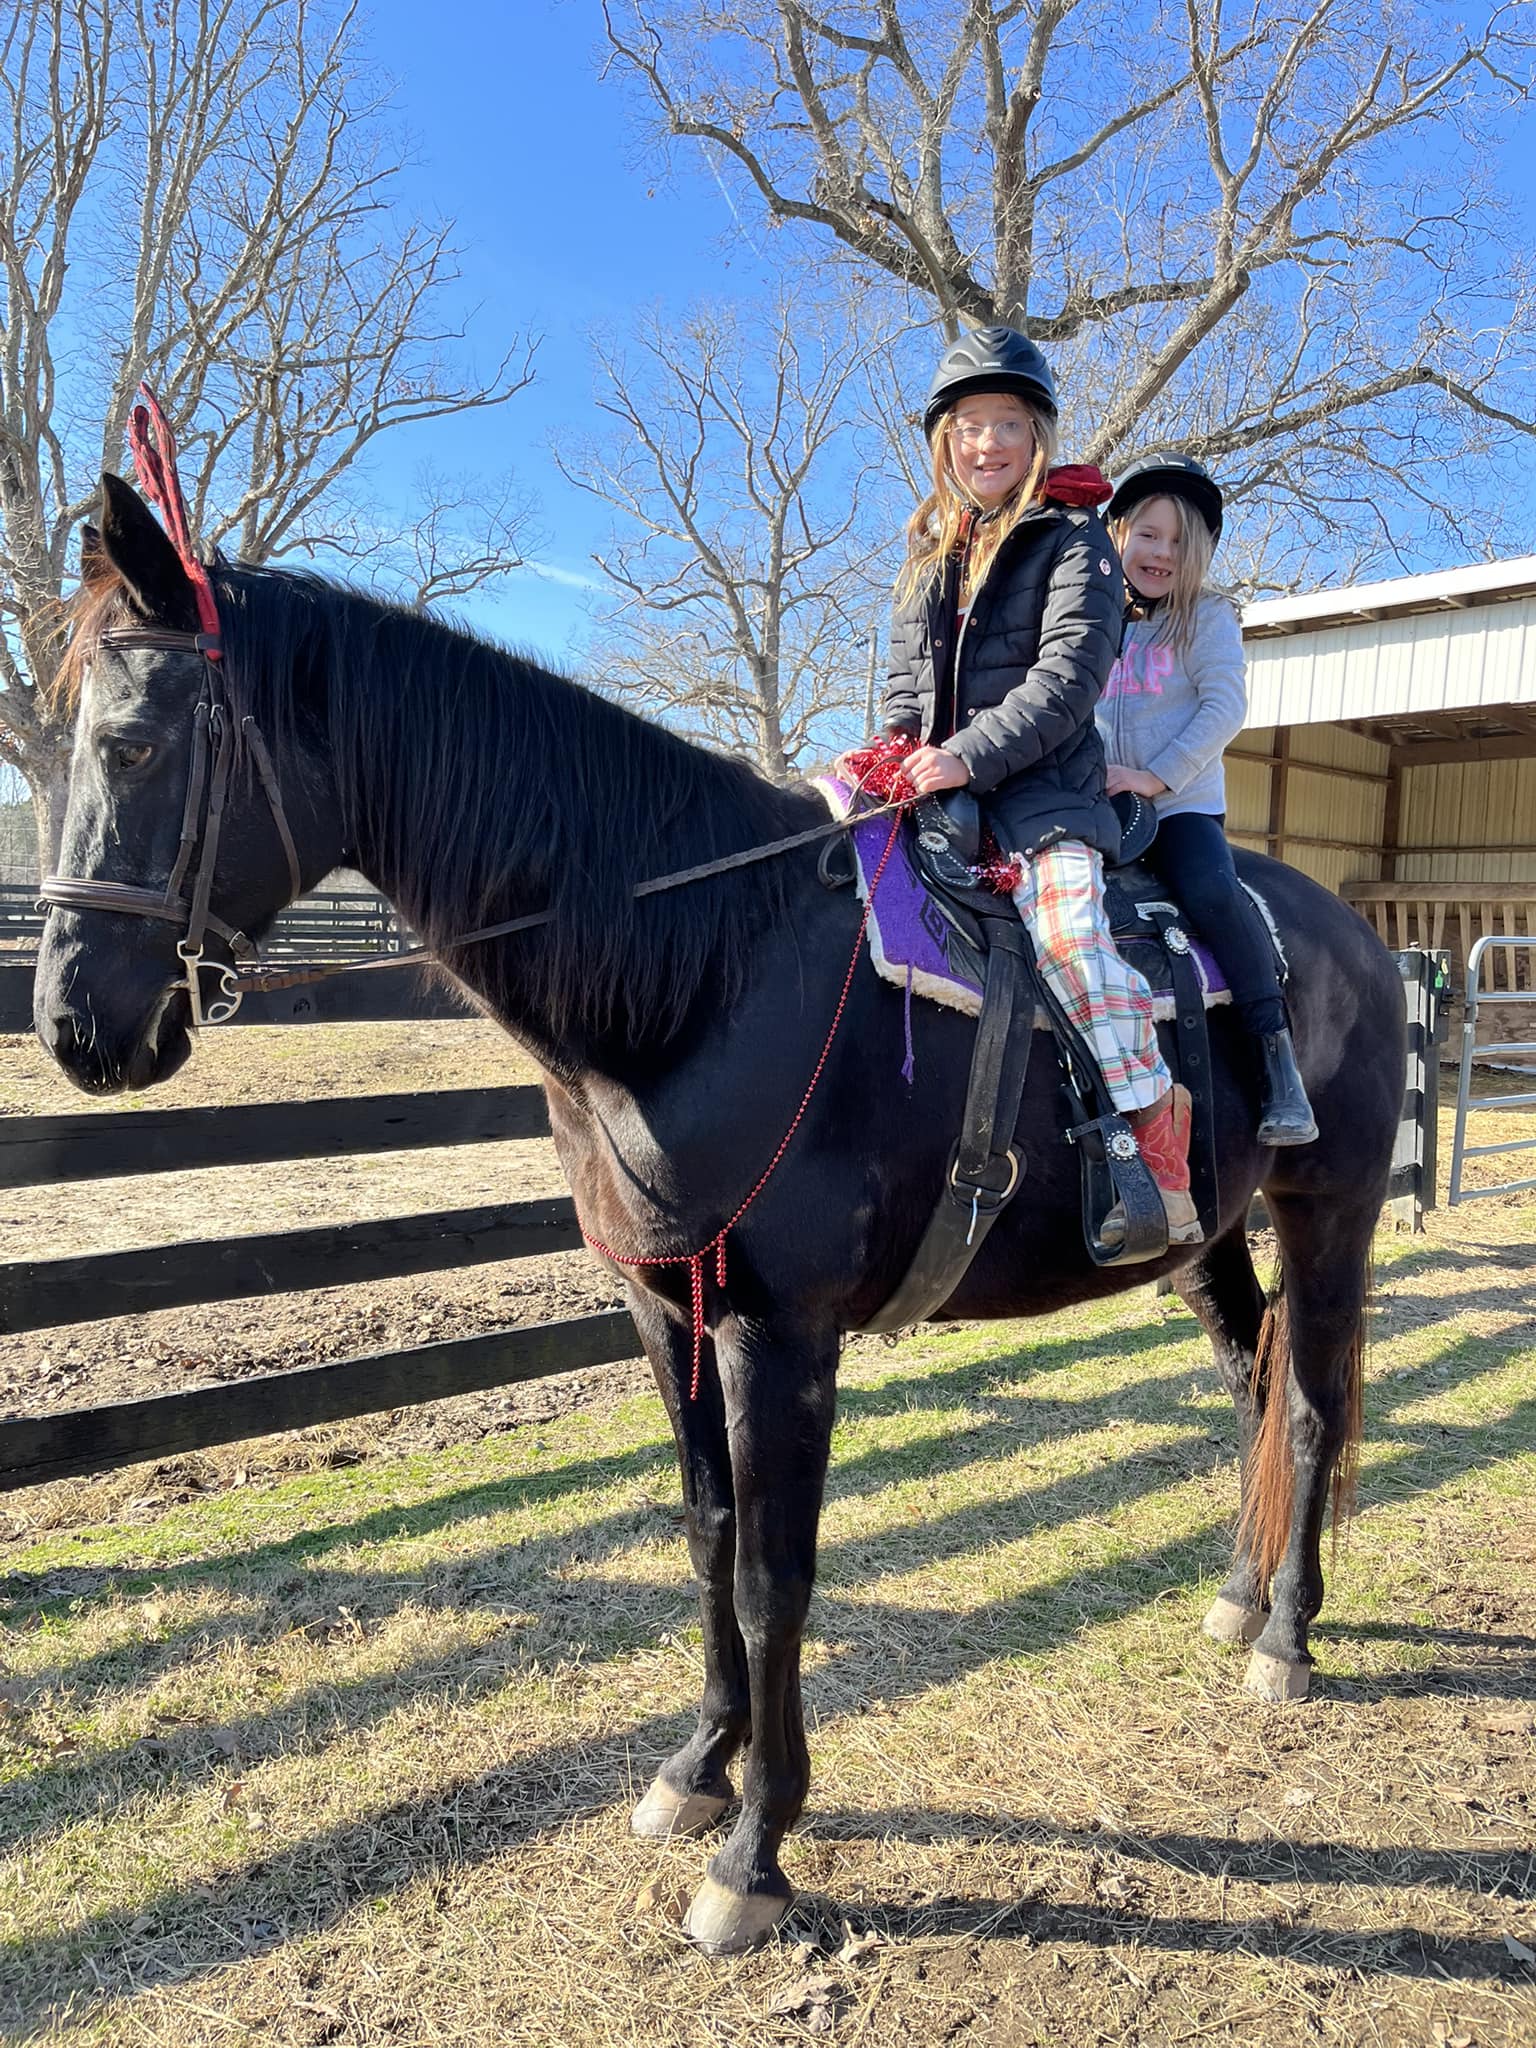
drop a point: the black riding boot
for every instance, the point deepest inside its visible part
(1285, 1115)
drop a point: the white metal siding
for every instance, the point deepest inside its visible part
(1371, 668)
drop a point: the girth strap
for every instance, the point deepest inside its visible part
(986, 1167)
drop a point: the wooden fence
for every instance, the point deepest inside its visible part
(40, 1293)
(329, 924)
(1454, 916)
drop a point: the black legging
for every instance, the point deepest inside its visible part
(1191, 854)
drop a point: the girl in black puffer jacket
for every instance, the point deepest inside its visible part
(1006, 624)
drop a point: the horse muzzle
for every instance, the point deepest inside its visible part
(110, 1031)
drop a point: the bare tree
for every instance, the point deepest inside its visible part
(1260, 233)
(472, 531)
(200, 192)
(744, 585)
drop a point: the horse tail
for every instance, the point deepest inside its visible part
(1268, 1481)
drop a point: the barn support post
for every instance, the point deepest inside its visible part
(1279, 778)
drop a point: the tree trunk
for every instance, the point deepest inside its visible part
(47, 771)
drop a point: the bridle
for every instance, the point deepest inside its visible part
(181, 902)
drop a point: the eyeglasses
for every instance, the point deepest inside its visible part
(1006, 433)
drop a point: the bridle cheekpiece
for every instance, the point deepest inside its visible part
(212, 758)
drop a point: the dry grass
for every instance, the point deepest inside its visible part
(346, 1758)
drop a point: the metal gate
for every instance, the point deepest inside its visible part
(1470, 1049)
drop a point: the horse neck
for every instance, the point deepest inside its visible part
(477, 787)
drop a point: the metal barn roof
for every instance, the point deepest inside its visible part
(1443, 661)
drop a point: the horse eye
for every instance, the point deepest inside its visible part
(128, 754)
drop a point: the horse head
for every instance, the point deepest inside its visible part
(178, 848)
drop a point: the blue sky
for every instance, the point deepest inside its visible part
(564, 227)
(567, 221)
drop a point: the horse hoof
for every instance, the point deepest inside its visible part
(1277, 1678)
(664, 1811)
(1228, 1621)
(727, 1923)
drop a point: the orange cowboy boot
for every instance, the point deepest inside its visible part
(1162, 1138)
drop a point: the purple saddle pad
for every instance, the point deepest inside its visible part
(913, 944)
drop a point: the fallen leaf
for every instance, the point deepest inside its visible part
(855, 1946)
(1509, 1721)
(1297, 1796)
(804, 1994)
(1519, 1951)
(233, 1794)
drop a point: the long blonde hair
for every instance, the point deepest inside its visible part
(1191, 570)
(933, 531)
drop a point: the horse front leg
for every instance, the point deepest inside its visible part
(1223, 1291)
(1312, 1423)
(778, 1376)
(692, 1789)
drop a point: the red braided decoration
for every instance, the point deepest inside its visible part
(694, 1261)
(876, 770)
(155, 460)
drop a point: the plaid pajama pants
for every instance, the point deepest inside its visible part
(1061, 900)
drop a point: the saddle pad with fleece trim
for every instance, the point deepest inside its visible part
(915, 944)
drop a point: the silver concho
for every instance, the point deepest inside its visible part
(1121, 1146)
(932, 842)
(1176, 940)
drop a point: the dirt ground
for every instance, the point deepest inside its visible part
(129, 1357)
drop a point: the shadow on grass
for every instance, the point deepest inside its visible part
(240, 1571)
(334, 1871)
(94, 1786)
(294, 1890)
(1490, 1873)
(526, 1572)
(1403, 1952)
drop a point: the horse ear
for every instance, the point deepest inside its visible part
(94, 566)
(137, 547)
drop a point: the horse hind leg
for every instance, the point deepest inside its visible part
(1309, 1434)
(692, 1789)
(1223, 1292)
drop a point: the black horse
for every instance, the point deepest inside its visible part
(677, 1034)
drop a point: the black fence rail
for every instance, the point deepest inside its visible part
(330, 924)
(44, 1293)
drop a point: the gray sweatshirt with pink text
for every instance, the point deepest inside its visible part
(1175, 713)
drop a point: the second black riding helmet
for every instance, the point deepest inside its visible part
(1169, 476)
(989, 359)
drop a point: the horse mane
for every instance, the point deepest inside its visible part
(478, 784)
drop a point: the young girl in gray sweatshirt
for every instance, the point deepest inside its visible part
(1174, 700)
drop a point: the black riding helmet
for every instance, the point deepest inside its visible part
(989, 359)
(1169, 476)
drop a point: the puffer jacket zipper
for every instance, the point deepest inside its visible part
(971, 612)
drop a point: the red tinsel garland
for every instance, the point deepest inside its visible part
(877, 770)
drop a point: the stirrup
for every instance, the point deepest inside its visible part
(1118, 1183)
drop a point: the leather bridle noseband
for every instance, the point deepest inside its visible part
(202, 820)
